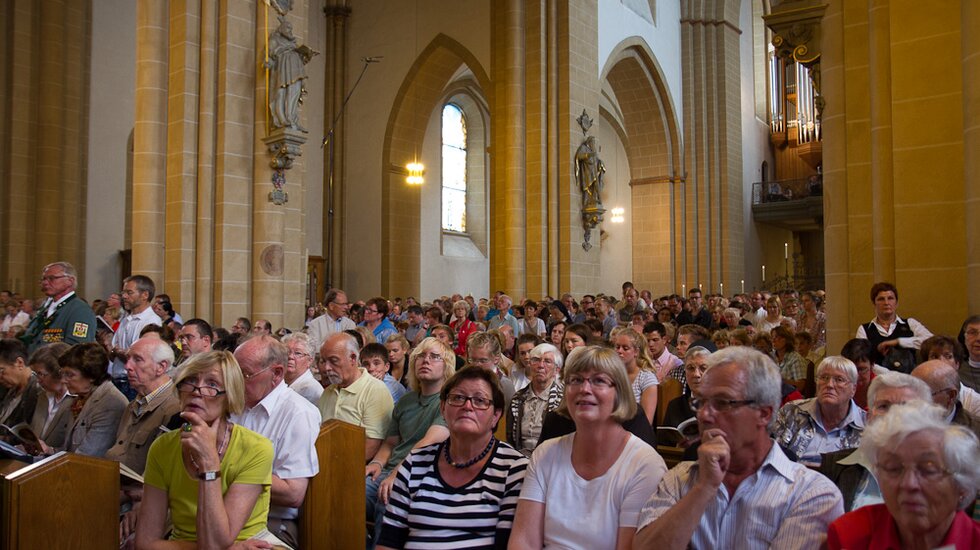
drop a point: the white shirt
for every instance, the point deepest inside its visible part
(970, 400)
(53, 304)
(308, 386)
(588, 514)
(292, 424)
(538, 327)
(128, 333)
(781, 505)
(919, 332)
(323, 326)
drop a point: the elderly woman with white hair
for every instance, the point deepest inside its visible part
(928, 471)
(829, 422)
(532, 403)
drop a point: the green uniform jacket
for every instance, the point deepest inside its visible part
(72, 323)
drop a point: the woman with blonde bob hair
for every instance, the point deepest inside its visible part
(212, 476)
(600, 471)
(928, 471)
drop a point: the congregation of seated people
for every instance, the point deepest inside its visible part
(611, 421)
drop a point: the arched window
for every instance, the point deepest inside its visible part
(453, 169)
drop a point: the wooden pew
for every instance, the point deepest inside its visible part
(332, 515)
(667, 391)
(68, 501)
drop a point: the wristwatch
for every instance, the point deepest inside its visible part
(209, 476)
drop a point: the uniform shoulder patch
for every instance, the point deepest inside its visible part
(80, 330)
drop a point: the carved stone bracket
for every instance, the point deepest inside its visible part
(591, 217)
(284, 144)
(796, 29)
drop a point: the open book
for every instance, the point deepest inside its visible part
(673, 437)
(21, 434)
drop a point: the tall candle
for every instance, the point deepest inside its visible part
(743, 285)
(721, 288)
(683, 289)
(763, 273)
(785, 251)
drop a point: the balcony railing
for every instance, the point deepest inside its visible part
(786, 190)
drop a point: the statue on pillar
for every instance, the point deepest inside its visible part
(286, 59)
(589, 171)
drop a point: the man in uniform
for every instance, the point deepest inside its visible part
(64, 317)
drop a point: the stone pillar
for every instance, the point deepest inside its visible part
(507, 233)
(882, 185)
(536, 120)
(183, 116)
(207, 97)
(835, 198)
(969, 23)
(150, 139)
(338, 16)
(43, 137)
(710, 214)
(578, 91)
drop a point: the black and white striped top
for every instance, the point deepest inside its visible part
(425, 512)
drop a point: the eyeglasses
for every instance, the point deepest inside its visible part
(341, 304)
(973, 333)
(187, 386)
(937, 392)
(479, 361)
(837, 380)
(366, 310)
(432, 357)
(538, 361)
(299, 354)
(479, 403)
(719, 405)
(925, 471)
(254, 374)
(52, 278)
(596, 381)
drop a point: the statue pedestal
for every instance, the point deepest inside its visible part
(285, 144)
(591, 216)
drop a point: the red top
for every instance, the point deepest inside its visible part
(463, 330)
(872, 527)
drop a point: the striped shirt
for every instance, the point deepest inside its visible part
(425, 512)
(781, 505)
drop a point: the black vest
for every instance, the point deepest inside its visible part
(906, 356)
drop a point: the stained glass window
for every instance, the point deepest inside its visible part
(453, 169)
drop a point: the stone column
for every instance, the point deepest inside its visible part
(835, 198)
(338, 16)
(882, 185)
(710, 213)
(207, 97)
(536, 119)
(150, 139)
(183, 116)
(507, 230)
(970, 22)
(578, 91)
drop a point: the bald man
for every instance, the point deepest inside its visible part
(944, 382)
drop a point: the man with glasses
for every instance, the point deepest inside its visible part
(285, 418)
(196, 337)
(850, 469)
(415, 423)
(147, 364)
(64, 317)
(137, 297)
(376, 318)
(351, 394)
(944, 385)
(333, 321)
(742, 492)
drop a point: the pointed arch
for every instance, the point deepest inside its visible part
(651, 135)
(422, 91)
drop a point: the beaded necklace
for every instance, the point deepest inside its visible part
(473, 461)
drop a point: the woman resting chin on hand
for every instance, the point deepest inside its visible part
(212, 476)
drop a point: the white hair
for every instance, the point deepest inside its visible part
(763, 384)
(541, 349)
(838, 363)
(961, 450)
